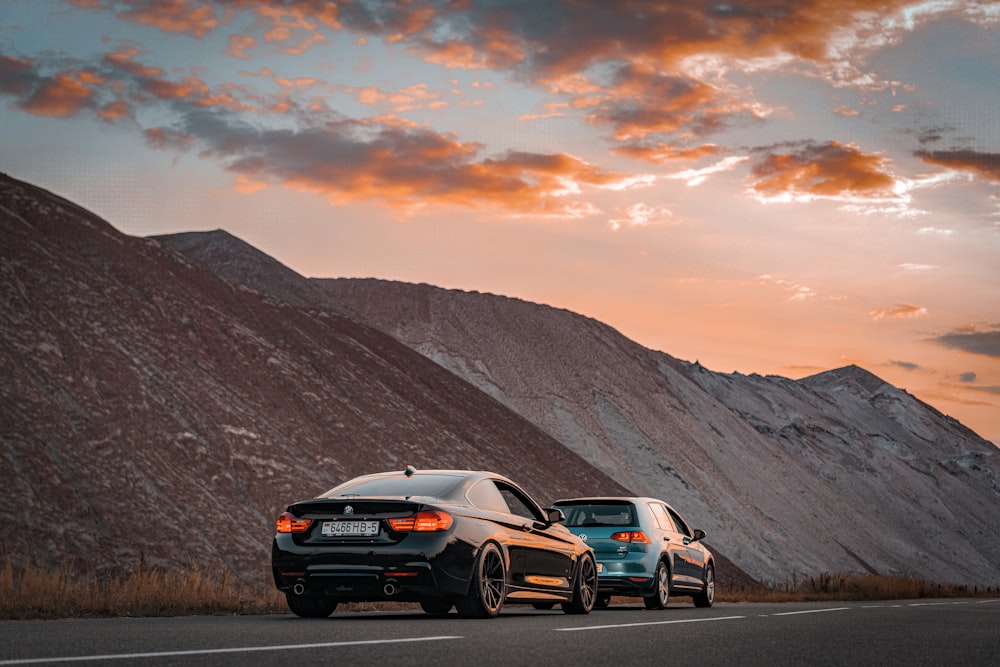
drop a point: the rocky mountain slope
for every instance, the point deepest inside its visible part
(151, 410)
(165, 397)
(837, 472)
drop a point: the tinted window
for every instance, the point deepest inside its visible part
(435, 486)
(517, 503)
(681, 526)
(599, 514)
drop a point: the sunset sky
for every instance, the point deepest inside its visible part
(775, 186)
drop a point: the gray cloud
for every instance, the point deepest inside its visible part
(905, 365)
(986, 343)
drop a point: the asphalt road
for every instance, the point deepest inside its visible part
(935, 632)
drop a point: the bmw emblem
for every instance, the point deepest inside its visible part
(583, 537)
(348, 509)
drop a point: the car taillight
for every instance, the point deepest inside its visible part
(289, 523)
(425, 521)
(631, 536)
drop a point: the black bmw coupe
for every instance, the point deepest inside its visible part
(471, 540)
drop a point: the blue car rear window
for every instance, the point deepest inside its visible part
(600, 515)
(434, 486)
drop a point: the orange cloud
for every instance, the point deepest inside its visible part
(986, 165)
(61, 96)
(645, 70)
(116, 110)
(184, 16)
(239, 45)
(643, 101)
(152, 81)
(898, 312)
(454, 55)
(641, 68)
(660, 152)
(125, 62)
(831, 169)
(396, 162)
(248, 186)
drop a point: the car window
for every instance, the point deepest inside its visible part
(435, 486)
(517, 503)
(484, 494)
(618, 514)
(662, 518)
(681, 526)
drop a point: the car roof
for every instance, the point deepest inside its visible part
(604, 499)
(464, 480)
(410, 470)
(469, 477)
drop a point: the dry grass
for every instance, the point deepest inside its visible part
(31, 593)
(827, 586)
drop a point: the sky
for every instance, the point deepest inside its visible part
(779, 187)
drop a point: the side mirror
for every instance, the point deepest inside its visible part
(555, 515)
(699, 534)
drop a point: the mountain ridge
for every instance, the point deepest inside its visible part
(767, 454)
(496, 343)
(179, 360)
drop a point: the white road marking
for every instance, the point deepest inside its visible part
(811, 611)
(214, 651)
(634, 625)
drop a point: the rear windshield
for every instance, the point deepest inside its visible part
(434, 486)
(600, 514)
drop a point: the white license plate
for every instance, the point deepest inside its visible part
(350, 528)
(600, 568)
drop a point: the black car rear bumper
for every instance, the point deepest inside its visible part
(369, 574)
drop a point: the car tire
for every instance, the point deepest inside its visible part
(488, 586)
(661, 588)
(584, 588)
(436, 606)
(707, 597)
(603, 601)
(310, 606)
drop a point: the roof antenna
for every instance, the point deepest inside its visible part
(409, 471)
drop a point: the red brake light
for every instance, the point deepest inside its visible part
(404, 525)
(631, 536)
(425, 521)
(289, 523)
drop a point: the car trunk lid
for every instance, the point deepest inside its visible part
(353, 521)
(597, 522)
